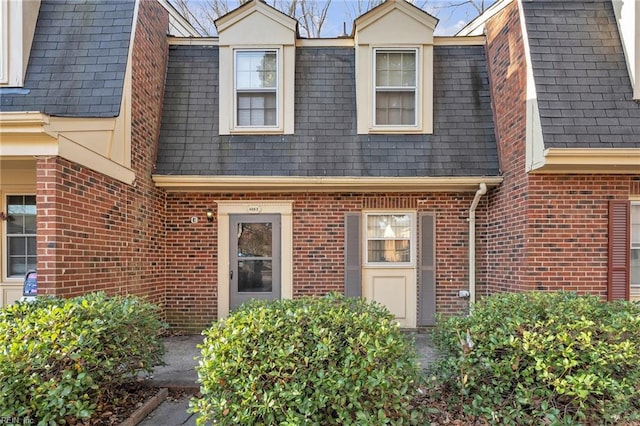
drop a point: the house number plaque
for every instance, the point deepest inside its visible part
(254, 209)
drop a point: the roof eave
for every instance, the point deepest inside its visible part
(590, 161)
(232, 184)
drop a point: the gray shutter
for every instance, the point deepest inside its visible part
(619, 249)
(352, 256)
(427, 269)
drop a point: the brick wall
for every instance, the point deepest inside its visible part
(96, 233)
(506, 266)
(568, 230)
(318, 246)
(545, 232)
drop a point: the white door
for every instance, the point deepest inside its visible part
(390, 263)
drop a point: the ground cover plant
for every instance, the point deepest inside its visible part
(541, 358)
(61, 358)
(322, 361)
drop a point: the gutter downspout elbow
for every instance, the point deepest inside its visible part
(472, 242)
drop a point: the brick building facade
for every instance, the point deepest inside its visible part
(258, 164)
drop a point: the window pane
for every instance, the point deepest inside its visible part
(21, 204)
(395, 108)
(256, 70)
(255, 276)
(388, 238)
(257, 109)
(395, 69)
(388, 226)
(17, 246)
(22, 255)
(388, 251)
(15, 224)
(255, 239)
(17, 267)
(31, 263)
(30, 225)
(21, 234)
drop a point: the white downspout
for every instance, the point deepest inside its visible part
(472, 242)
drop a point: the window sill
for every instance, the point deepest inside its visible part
(256, 131)
(397, 130)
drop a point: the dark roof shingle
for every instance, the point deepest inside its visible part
(326, 142)
(78, 60)
(582, 82)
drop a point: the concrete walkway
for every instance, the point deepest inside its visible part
(179, 373)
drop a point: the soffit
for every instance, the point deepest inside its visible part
(320, 184)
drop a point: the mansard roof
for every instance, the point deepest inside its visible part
(582, 82)
(326, 142)
(78, 60)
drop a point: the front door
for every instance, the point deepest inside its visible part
(254, 258)
(390, 265)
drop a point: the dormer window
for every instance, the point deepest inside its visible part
(256, 83)
(394, 69)
(257, 70)
(396, 87)
(17, 27)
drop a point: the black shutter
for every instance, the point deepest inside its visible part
(427, 269)
(619, 250)
(352, 256)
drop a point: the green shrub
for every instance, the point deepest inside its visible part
(543, 358)
(60, 357)
(321, 361)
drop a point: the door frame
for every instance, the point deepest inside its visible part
(234, 260)
(226, 208)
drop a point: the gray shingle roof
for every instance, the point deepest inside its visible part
(325, 141)
(582, 82)
(78, 60)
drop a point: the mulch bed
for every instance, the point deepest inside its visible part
(118, 404)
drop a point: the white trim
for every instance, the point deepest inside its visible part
(325, 42)
(172, 183)
(4, 42)
(416, 91)
(479, 40)
(192, 41)
(278, 91)
(12, 43)
(177, 21)
(534, 139)
(476, 26)
(4, 231)
(226, 208)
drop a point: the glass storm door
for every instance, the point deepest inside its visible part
(254, 259)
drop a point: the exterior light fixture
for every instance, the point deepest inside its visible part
(209, 215)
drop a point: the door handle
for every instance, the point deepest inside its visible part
(231, 274)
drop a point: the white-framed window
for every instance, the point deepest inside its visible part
(395, 87)
(17, 27)
(256, 88)
(4, 42)
(20, 234)
(634, 263)
(389, 238)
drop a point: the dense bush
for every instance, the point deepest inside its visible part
(322, 361)
(543, 358)
(59, 357)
